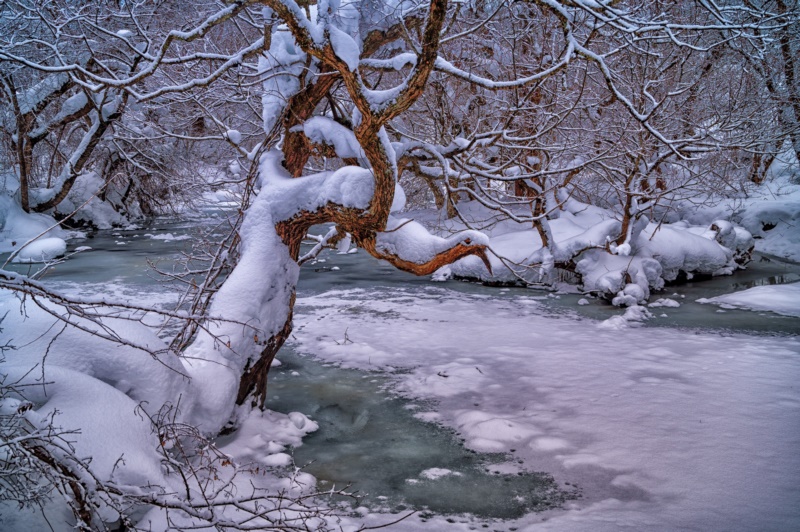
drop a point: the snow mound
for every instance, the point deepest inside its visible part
(775, 224)
(626, 279)
(42, 250)
(90, 209)
(781, 299)
(107, 422)
(168, 237)
(18, 226)
(665, 302)
(435, 473)
(680, 249)
(633, 314)
(134, 371)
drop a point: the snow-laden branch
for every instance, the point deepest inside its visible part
(407, 245)
(94, 80)
(321, 243)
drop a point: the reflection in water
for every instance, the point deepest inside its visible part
(784, 273)
(768, 281)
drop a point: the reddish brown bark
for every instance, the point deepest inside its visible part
(444, 258)
(253, 382)
(363, 224)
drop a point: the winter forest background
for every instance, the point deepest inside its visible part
(607, 151)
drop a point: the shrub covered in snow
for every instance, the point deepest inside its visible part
(583, 236)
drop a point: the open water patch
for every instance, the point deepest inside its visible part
(370, 440)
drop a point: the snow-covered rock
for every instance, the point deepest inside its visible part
(42, 250)
(680, 249)
(628, 280)
(774, 222)
(585, 235)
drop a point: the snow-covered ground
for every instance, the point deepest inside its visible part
(663, 429)
(781, 299)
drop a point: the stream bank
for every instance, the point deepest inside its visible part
(356, 415)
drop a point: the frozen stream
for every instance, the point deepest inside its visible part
(368, 436)
(119, 258)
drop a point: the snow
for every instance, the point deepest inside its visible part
(91, 209)
(770, 211)
(349, 186)
(607, 274)
(281, 68)
(679, 249)
(399, 200)
(664, 302)
(343, 246)
(515, 246)
(775, 222)
(167, 236)
(626, 274)
(324, 130)
(632, 316)
(270, 431)
(252, 312)
(409, 240)
(245, 313)
(345, 48)
(234, 136)
(131, 368)
(435, 473)
(781, 299)
(31, 97)
(42, 250)
(73, 104)
(17, 226)
(443, 65)
(663, 430)
(105, 392)
(600, 404)
(397, 62)
(82, 402)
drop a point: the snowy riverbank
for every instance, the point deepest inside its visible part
(660, 428)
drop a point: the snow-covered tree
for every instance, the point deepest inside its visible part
(615, 111)
(79, 118)
(571, 102)
(339, 76)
